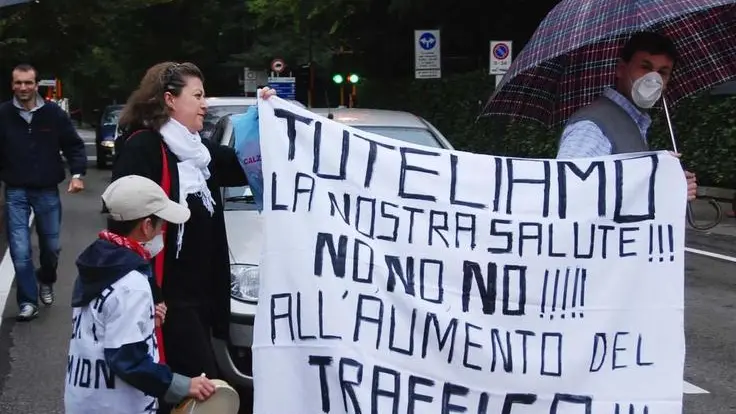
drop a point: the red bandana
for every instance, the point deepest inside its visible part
(125, 242)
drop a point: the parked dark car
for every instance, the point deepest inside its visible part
(105, 133)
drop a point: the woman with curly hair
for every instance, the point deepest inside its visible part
(161, 121)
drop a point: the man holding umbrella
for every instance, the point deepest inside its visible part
(618, 122)
(583, 46)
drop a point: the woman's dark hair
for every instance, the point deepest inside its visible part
(124, 228)
(650, 42)
(146, 107)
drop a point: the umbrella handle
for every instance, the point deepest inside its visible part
(669, 124)
(707, 226)
(712, 202)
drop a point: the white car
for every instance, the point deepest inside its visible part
(217, 107)
(243, 222)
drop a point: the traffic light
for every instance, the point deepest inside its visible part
(352, 79)
(339, 79)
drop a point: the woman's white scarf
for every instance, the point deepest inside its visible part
(193, 161)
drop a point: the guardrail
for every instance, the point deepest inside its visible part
(722, 194)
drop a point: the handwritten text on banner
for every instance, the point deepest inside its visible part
(404, 279)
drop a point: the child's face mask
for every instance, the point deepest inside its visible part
(155, 245)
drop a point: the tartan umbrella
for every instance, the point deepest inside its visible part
(572, 56)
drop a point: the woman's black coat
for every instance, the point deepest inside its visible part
(141, 154)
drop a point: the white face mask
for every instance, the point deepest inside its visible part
(155, 245)
(647, 90)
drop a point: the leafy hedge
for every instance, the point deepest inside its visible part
(705, 125)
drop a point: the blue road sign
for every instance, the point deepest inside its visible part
(285, 87)
(427, 41)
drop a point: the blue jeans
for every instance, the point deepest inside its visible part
(46, 206)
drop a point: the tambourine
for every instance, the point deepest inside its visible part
(225, 400)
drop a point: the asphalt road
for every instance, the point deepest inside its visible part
(710, 321)
(33, 355)
(88, 136)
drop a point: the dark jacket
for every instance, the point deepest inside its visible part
(29, 153)
(100, 265)
(141, 155)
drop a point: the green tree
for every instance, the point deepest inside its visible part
(299, 29)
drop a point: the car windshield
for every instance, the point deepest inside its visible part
(419, 136)
(111, 116)
(214, 113)
(241, 198)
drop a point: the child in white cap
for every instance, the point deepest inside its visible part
(113, 364)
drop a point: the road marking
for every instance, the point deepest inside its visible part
(7, 274)
(689, 388)
(91, 144)
(711, 254)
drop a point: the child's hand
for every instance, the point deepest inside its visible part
(201, 388)
(160, 314)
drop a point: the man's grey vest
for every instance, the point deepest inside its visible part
(617, 125)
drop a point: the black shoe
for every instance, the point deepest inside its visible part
(46, 294)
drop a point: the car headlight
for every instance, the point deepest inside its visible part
(108, 143)
(244, 282)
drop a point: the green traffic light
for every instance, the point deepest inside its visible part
(337, 79)
(354, 78)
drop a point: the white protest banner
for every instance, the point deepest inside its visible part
(404, 279)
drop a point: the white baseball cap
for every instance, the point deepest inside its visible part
(134, 197)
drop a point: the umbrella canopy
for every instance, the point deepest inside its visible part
(5, 3)
(572, 56)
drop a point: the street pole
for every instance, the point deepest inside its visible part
(310, 91)
(305, 6)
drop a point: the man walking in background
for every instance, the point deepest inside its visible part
(32, 135)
